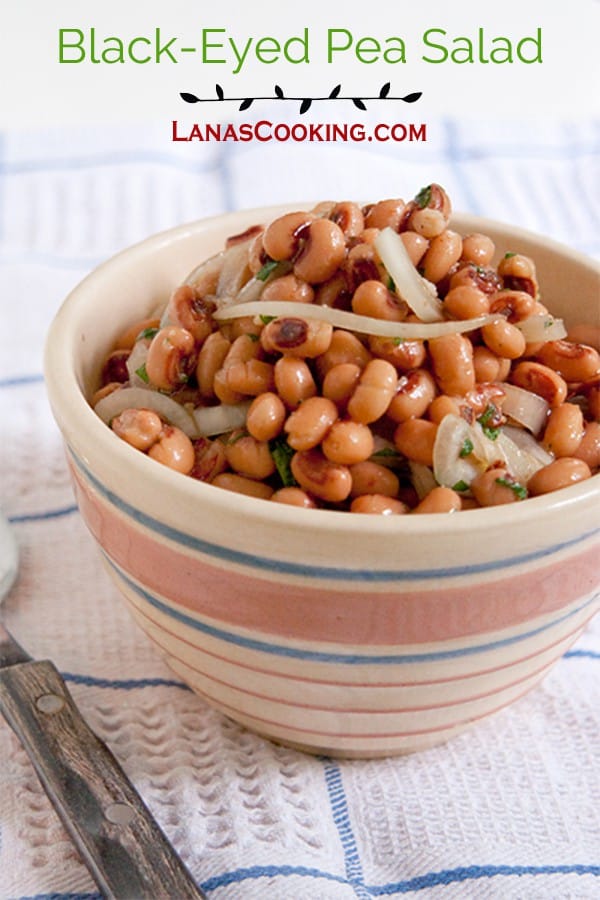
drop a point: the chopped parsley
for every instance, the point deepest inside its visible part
(517, 489)
(423, 198)
(282, 455)
(460, 486)
(253, 337)
(147, 334)
(508, 254)
(484, 420)
(141, 373)
(397, 341)
(266, 270)
(266, 319)
(385, 453)
(391, 284)
(467, 448)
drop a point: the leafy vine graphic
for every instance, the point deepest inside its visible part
(305, 102)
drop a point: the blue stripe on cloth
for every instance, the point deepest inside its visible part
(410, 885)
(341, 817)
(330, 657)
(310, 570)
(123, 684)
(43, 516)
(12, 381)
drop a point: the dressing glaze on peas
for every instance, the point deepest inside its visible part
(366, 359)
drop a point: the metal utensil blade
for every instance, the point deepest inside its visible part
(11, 652)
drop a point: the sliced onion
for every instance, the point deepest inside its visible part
(143, 398)
(525, 407)
(449, 468)
(234, 272)
(340, 318)
(525, 441)
(419, 293)
(209, 269)
(422, 478)
(135, 361)
(520, 462)
(542, 328)
(210, 420)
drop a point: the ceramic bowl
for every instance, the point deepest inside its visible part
(340, 634)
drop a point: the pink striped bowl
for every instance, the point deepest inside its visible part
(344, 635)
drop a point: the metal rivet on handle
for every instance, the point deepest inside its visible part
(119, 813)
(50, 703)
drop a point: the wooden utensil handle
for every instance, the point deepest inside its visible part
(121, 844)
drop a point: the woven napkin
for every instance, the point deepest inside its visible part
(509, 809)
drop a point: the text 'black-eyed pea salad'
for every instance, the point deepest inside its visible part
(361, 358)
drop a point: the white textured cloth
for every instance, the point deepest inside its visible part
(509, 809)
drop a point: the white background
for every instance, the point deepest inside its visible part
(37, 91)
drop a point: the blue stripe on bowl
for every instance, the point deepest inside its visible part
(331, 573)
(327, 656)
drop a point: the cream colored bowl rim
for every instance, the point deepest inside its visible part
(90, 438)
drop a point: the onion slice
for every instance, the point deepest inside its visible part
(349, 321)
(143, 398)
(453, 437)
(542, 328)
(415, 290)
(525, 407)
(212, 420)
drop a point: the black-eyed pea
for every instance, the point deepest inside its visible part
(250, 378)
(504, 339)
(307, 426)
(139, 427)
(415, 438)
(334, 292)
(361, 264)
(322, 252)
(348, 442)
(540, 379)
(249, 457)
(583, 333)
(294, 381)
(370, 477)
(564, 430)
(415, 393)
(245, 325)
(293, 496)
(374, 392)
(174, 449)
(212, 355)
(378, 504)
(282, 237)
(561, 473)
(344, 347)
(242, 350)
(518, 273)
(188, 309)
(466, 301)
(575, 362)
(372, 298)
(105, 390)
(128, 338)
(478, 249)
(416, 246)
(593, 399)
(589, 447)
(320, 477)
(115, 368)
(289, 288)
(444, 250)
(514, 305)
(430, 211)
(293, 336)
(488, 366)
(339, 384)
(171, 357)
(210, 459)
(452, 358)
(439, 500)
(231, 481)
(483, 277)
(496, 486)
(443, 405)
(349, 217)
(266, 416)
(385, 214)
(403, 354)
